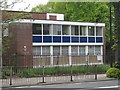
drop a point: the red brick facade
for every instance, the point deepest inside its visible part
(39, 16)
(22, 37)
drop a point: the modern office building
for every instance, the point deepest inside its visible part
(50, 40)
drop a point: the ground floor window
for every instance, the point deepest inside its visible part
(82, 50)
(64, 50)
(74, 50)
(97, 50)
(56, 50)
(94, 50)
(37, 50)
(45, 50)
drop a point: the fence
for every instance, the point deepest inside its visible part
(27, 70)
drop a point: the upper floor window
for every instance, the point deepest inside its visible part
(56, 29)
(65, 30)
(74, 30)
(98, 31)
(91, 31)
(82, 30)
(46, 29)
(37, 29)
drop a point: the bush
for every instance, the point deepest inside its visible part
(58, 70)
(116, 65)
(102, 68)
(113, 73)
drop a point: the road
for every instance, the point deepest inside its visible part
(98, 85)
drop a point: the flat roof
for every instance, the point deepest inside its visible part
(60, 22)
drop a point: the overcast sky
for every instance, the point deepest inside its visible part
(25, 3)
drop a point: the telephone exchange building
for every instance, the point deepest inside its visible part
(50, 40)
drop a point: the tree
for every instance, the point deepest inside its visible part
(7, 17)
(44, 8)
(117, 28)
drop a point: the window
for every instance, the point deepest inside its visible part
(64, 50)
(56, 29)
(98, 31)
(37, 50)
(56, 50)
(46, 29)
(82, 50)
(91, 31)
(82, 30)
(65, 30)
(91, 50)
(51, 17)
(97, 50)
(74, 30)
(74, 50)
(46, 50)
(37, 29)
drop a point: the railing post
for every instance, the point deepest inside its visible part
(43, 78)
(71, 78)
(87, 63)
(95, 72)
(11, 71)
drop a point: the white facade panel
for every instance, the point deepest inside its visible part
(59, 16)
(60, 22)
(42, 44)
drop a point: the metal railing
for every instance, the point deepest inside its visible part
(27, 70)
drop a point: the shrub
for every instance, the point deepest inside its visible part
(58, 70)
(116, 65)
(102, 68)
(113, 73)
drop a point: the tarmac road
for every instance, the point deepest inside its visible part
(96, 85)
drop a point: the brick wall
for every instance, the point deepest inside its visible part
(39, 16)
(22, 36)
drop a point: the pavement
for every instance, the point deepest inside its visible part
(52, 80)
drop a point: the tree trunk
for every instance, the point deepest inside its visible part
(117, 27)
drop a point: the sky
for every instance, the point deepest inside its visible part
(22, 6)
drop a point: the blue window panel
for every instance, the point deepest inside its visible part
(83, 39)
(91, 39)
(75, 39)
(66, 39)
(47, 39)
(37, 39)
(57, 39)
(99, 39)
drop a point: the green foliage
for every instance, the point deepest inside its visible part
(103, 68)
(49, 71)
(113, 73)
(116, 65)
(6, 72)
(44, 8)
